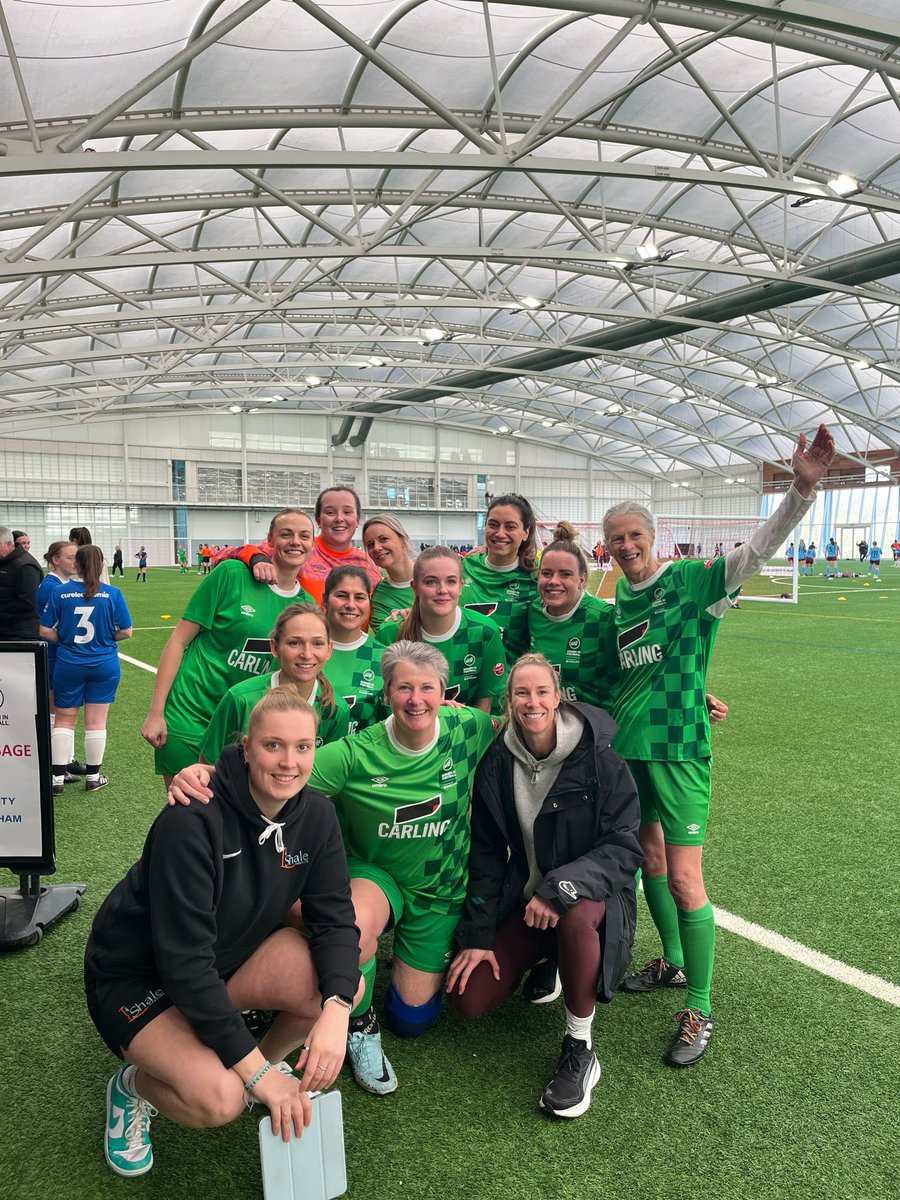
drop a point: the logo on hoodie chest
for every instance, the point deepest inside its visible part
(289, 860)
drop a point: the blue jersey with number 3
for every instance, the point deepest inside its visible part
(86, 626)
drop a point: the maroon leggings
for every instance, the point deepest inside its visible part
(576, 941)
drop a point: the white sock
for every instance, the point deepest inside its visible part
(127, 1079)
(62, 745)
(579, 1027)
(94, 749)
(52, 720)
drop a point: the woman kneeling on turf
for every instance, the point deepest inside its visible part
(193, 934)
(551, 871)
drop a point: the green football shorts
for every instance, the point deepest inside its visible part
(676, 794)
(175, 754)
(423, 936)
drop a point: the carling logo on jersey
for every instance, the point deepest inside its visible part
(486, 610)
(254, 657)
(411, 821)
(640, 656)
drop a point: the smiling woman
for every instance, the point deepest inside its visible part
(222, 639)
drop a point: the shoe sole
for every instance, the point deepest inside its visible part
(95, 787)
(579, 1109)
(654, 987)
(112, 1166)
(550, 997)
(372, 1091)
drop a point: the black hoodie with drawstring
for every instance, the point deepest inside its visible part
(213, 882)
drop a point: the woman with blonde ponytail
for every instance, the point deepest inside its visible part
(302, 644)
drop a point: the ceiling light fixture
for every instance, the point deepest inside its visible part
(312, 380)
(376, 362)
(434, 334)
(235, 408)
(648, 252)
(532, 302)
(843, 185)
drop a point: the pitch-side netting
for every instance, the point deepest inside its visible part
(711, 537)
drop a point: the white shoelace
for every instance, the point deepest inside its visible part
(272, 827)
(137, 1131)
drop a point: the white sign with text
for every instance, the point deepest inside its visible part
(20, 766)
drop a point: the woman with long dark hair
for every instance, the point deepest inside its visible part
(354, 668)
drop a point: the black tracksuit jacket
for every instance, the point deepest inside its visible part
(585, 841)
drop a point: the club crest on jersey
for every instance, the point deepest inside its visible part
(469, 665)
(486, 610)
(368, 676)
(411, 821)
(573, 649)
(254, 657)
(448, 772)
(500, 670)
(659, 598)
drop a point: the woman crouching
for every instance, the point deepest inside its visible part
(193, 934)
(552, 869)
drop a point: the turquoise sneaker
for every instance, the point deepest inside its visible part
(126, 1141)
(370, 1066)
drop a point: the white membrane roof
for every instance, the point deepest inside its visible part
(666, 235)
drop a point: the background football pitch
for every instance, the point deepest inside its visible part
(798, 1092)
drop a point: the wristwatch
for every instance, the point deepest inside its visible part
(346, 1001)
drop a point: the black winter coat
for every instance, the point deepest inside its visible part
(585, 841)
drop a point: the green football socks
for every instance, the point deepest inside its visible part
(367, 970)
(698, 938)
(665, 916)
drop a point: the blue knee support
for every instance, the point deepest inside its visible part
(410, 1020)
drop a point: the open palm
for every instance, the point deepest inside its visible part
(811, 461)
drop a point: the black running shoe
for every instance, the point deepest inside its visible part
(568, 1094)
(655, 973)
(94, 785)
(75, 768)
(542, 983)
(689, 1044)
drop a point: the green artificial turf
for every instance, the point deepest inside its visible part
(797, 1092)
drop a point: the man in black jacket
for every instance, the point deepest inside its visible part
(20, 577)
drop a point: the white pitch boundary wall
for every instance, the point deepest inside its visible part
(116, 477)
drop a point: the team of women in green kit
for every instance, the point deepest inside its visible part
(447, 632)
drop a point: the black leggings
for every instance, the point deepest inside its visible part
(576, 940)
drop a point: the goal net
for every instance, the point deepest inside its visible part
(712, 537)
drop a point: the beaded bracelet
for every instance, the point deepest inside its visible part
(251, 1084)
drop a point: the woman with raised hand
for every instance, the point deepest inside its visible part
(470, 642)
(86, 619)
(551, 869)
(301, 644)
(354, 668)
(387, 544)
(666, 618)
(500, 583)
(222, 639)
(194, 934)
(402, 790)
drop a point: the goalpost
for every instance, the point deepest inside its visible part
(710, 537)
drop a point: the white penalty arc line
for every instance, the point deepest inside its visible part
(833, 968)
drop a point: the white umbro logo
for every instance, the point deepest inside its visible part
(380, 781)
(248, 610)
(693, 828)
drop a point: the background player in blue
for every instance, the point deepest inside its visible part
(875, 560)
(86, 619)
(60, 560)
(141, 556)
(666, 617)
(831, 557)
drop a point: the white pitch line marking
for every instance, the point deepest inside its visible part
(833, 968)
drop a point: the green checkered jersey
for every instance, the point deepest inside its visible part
(236, 614)
(502, 595)
(386, 598)
(408, 812)
(232, 716)
(665, 630)
(354, 671)
(474, 653)
(581, 648)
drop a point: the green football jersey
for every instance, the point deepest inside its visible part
(354, 671)
(236, 615)
(474, 654)
(408, 812)
(386, 598)
(502, 595)
(232, 716)
(665, 630)
(581, 648)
